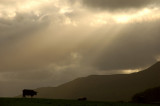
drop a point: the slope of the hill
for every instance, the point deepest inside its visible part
(151, 95)
(105, 87)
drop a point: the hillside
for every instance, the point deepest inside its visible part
(151, 95)
(105, 87)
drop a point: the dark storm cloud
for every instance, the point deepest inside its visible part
(118, 4)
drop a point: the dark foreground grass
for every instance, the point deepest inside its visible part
(52, 102)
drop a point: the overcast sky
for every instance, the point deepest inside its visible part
(49, 42)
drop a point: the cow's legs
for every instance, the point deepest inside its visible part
(24, 95)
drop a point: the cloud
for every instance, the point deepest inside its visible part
(123, 47)
(113, 5)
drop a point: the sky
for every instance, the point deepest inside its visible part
(49, 42)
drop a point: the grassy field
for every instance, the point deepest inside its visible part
(51, 102)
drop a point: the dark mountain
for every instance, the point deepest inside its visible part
(151, 95)
(120, 87)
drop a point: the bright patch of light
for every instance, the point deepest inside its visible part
(68, 21)
(27, 6)
(99, 19)
(144, 12)
(65, 10)
(122, 19)
(130, 71)
(7, 13)
(140, 16)
(30, 5)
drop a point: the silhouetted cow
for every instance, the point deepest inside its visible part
(82, 99)
(27, 92)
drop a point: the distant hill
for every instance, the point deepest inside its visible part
(120, 87)
(151, 95)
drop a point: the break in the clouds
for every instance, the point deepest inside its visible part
(113, 5)
(49, 42)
